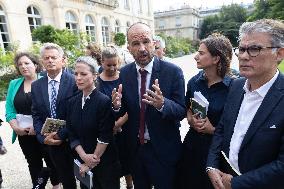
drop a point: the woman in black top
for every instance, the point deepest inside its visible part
(90, 122)
(19, 103)
(213, 57)
(106, 82)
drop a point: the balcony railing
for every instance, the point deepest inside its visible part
(112, 4)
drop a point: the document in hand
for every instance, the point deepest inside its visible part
(52, 125)
(227, 167)
(199, 104)
(87, 180)
(24, 121)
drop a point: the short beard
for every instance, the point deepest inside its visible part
(143, 64)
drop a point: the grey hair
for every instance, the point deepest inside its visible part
(47, 46)
(275, 28)
(88, 60)
(161, 40)
(109, 52)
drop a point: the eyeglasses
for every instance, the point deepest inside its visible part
(253, 51)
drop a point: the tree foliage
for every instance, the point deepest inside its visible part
(227, 22)
(119, 39)
(268, 9)
(72, 43)
(176, 47)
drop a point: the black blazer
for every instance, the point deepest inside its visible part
(94, 122)
(41, 105)
(261, 155)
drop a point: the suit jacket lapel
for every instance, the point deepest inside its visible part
(44, 91)
(62, 87)
(133, 84)
(238, 99)
(155, 72)
(269, 102)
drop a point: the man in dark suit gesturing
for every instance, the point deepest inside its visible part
(251, 130)
(49, 97)
(153, 129)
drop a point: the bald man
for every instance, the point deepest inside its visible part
(152, 92)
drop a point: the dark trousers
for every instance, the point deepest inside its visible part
(148, 170)
(34, 152)
(62, 158)
(106, 176)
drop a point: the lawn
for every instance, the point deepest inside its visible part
(281, 66)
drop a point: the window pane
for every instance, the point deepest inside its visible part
(38, 21)
(31, 21)
(3, 28)
(36, 11)
(29, 10)
(2, 19)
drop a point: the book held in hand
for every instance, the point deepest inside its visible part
(227, 167)
(52, 125)
(199, 105)
(87, 180)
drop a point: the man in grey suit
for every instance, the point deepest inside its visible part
(251, 130)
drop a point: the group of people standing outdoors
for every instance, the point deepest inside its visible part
(125, 121)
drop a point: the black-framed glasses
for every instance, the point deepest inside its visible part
(253, 51)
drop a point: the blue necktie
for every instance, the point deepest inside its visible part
(53, 99)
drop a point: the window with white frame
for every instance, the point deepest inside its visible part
(4, 35)
(139, 2)
(71, 22)
(105, 31)
(117, 26)
(162, 24)
(126, 4)
(178, 21)
(90, 28)
(33, 17)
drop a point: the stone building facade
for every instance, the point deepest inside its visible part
(100, 19)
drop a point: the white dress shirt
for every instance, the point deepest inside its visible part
(148, 68)
(57, 83)
(251, 102)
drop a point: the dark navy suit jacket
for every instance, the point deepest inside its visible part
(163, 126)
(261, 155)
(41, 105)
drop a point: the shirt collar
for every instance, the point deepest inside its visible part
(148, 68)
(262, 91)
(226, 80)
(57, 78)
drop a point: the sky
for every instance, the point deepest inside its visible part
(160, 5)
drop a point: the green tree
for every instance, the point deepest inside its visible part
(227, 22)
(276, 10)
(119, 39)
(44, 34)
(261, 9)
(176, 47)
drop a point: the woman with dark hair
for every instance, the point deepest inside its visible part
(213, 57)
(90, 122)
(18, 115)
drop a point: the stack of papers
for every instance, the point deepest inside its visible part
(87, 180)
(24, 121)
